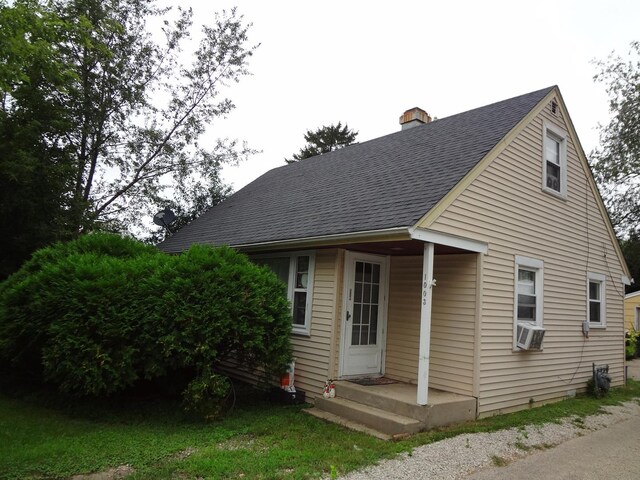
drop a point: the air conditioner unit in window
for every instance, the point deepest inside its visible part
(529, 337)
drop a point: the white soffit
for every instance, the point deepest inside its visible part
(431, 236)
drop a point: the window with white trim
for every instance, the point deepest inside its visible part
(529, 290)
(596, 300)
(637, 323)
(295, 270)
(554, 160)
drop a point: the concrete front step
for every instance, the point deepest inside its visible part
(330, 417)
(444, 408)
(383, 421)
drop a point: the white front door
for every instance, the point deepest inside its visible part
(364, 314)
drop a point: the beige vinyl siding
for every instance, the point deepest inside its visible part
(313, 352)
(507, 208)
(339, 290)
(453, 319)
(631, 303)
(403, 319)
(452, 324)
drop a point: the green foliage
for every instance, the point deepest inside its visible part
(66, 285)
(631, 344)
(323, 140)
(101, 118)
(259, 441)
(630, 247)
(205, 395)
(35, 165)
(98, 315)
(616, 163)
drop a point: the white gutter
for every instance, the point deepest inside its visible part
(334, 238)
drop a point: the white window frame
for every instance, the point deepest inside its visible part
(551, 131)
(636, 324)
(537, 266)
(291, 288)
(602, 281)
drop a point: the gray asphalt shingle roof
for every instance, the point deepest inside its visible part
(391, 181)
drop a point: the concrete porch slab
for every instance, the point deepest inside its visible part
(392, 408)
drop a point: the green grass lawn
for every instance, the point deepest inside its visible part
(257, 440)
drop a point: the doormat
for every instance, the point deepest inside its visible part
(368, 381)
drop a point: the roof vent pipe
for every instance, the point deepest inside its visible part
(414, 117)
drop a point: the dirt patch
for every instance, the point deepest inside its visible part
(187, 452)
(112, 474)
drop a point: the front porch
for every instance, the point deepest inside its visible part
(389, 411)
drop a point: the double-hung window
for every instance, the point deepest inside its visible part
(529, 290)
(596, 300)
(554, 160)
(527, 295)
(295, 270)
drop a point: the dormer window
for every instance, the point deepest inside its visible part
(554, 169)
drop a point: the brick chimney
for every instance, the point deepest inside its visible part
(414, 117)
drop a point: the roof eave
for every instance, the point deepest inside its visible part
(385, 234)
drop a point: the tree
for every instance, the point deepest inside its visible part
(126, 142)
(189, 206)
(631, 250)
(130, 112)
(616, 163)
(323, 140)
(35, 164)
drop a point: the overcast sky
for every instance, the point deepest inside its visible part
(366, 62)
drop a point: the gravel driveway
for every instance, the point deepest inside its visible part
(459, 457)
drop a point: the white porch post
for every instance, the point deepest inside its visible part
(425, 324)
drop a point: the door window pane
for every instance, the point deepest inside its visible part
(357, 295)
(364, 335)
(375, 274)
(365, 303)
(355, 334)
(367, 273)
(359, 271)
(366, 293)
(373, 324)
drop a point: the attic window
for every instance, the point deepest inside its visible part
(554, 107)
(554, 160)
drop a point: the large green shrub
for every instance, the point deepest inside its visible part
(99, 314)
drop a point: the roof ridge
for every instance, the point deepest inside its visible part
(426, 125)
(389, 181)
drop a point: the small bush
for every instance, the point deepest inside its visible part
(631, 344)
(97, 315)
(206, 395)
